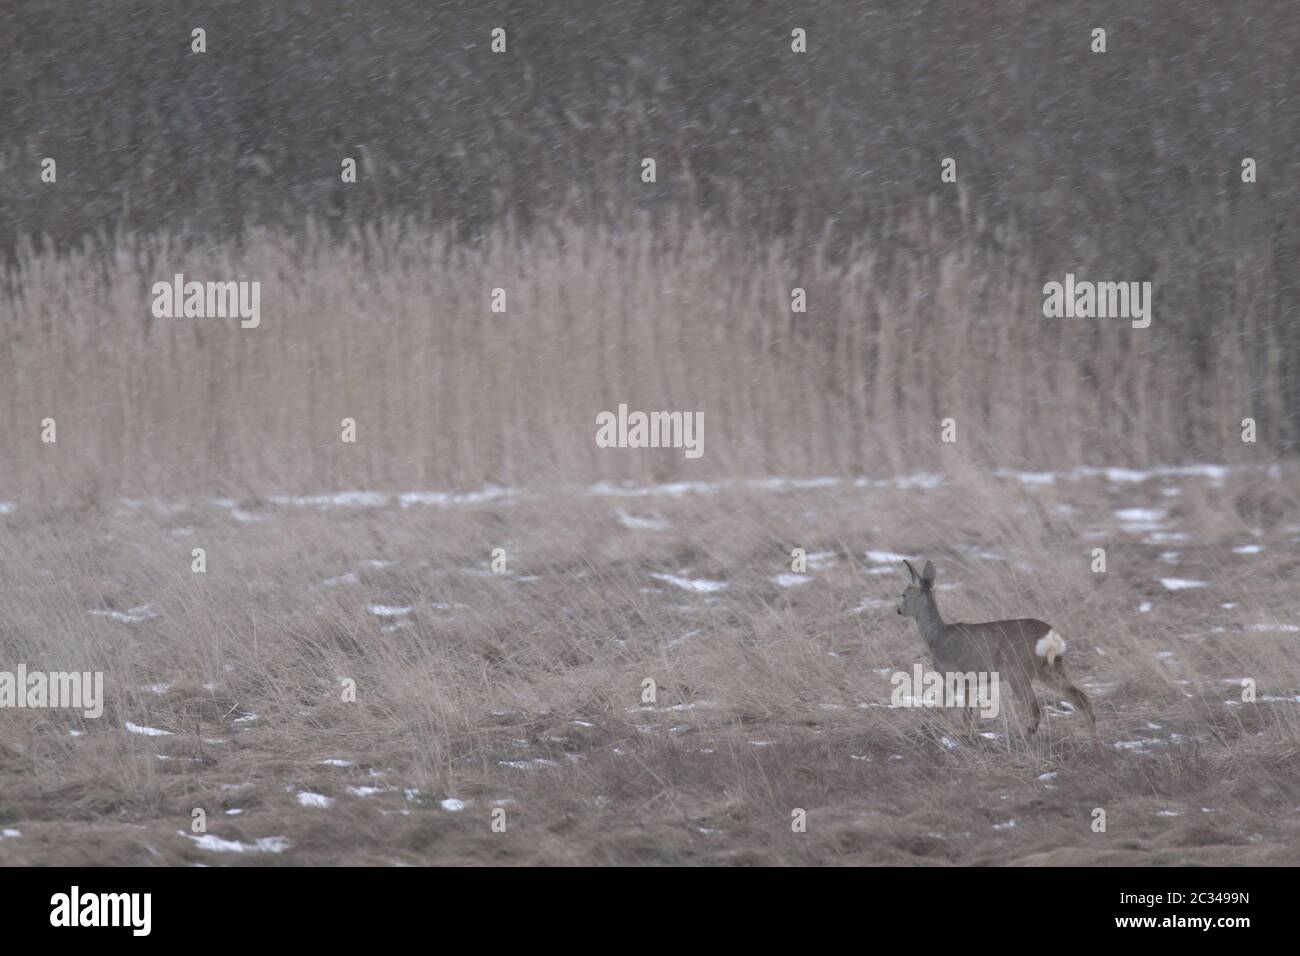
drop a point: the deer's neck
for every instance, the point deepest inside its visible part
(928, 618)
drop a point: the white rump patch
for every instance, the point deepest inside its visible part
(1050, 646)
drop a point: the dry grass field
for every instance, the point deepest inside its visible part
(523, 689)
(393, 329)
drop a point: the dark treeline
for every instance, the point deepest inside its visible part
(1126, 163)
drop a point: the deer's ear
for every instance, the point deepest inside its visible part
(927, 574)
(910, 570)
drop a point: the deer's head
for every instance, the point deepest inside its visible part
(917, 584)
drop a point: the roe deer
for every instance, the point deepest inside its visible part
(1017, 651)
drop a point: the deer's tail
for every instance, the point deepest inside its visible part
(1049, 647)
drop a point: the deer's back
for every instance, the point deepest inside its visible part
(991, 646)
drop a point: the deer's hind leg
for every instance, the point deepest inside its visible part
(1056, 677)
